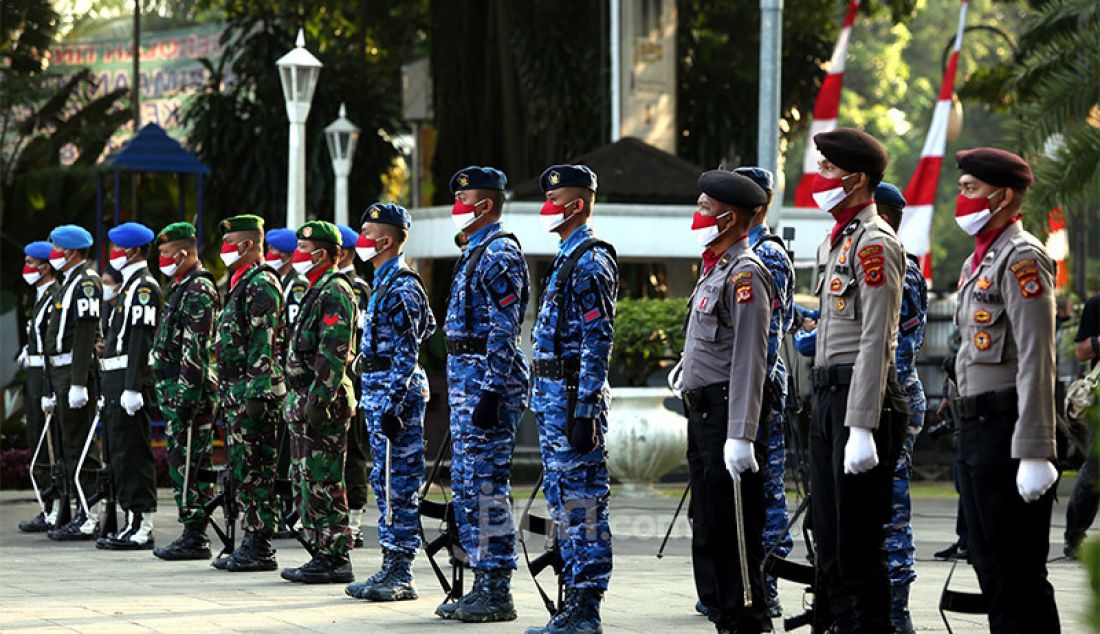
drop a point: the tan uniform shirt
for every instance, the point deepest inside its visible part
(1005, 317)
(727, 335)
(860, 282)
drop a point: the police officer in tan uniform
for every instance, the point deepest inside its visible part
(724, 371)
(853, 444)
(1005, 405)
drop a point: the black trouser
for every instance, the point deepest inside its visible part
(849, 512)
(33, 391)
(714, 555)
(130, 454)
(356, 478)
(1085, 499)
(74, 427)
(1008, 538)
(960, 519)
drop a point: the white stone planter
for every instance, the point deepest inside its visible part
(644, 439)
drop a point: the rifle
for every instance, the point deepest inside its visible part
(551, 558)
(34, 460)
(226, 499)
(59, 475)
(448, 531)
(105, 490)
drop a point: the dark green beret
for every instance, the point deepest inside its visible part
(176, 231)
(320, 230)
(244, 222)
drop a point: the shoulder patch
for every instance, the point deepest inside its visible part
(868, 251)
(1027, 277)
(144, 295)
(742, 286)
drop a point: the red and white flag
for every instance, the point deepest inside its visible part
(1058, 245)
(916, 223)
(825, 109)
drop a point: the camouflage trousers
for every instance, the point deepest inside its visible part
(406, 476)
(252, 455)
(201, 424)
(777, 539)
(317, 454)
(900, 548)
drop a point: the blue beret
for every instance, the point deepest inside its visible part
(557, 176)
(131, 234)
(762, 177)
(388, 214)
(282, 239)
(888, 194)
(71, 237)
(38, 250)
(348, 235)
(732, 189)
(476, 177)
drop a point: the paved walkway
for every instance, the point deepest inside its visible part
(49, 586)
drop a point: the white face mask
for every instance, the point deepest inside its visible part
(230, 257)
(109, 292)
(463, 220)
(829, 199)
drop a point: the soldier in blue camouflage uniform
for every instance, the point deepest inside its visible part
(572, 346)
(395, 391)
(900, 550)
(769, 248)
(488, 381)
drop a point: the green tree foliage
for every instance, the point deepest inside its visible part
(238, 123)
(647, 332)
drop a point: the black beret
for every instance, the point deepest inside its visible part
(477, 177)
(853, 151)
(732, 189)
(996, 167)
(557, 176)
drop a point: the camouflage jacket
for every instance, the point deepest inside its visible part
(319, 350)
(249, 338)
(181, 348)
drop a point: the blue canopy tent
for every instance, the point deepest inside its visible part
(151, 150)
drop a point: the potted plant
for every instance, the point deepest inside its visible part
(645, 440)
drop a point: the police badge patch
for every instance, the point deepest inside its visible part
(982, 340)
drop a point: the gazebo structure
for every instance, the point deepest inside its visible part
(151, 150)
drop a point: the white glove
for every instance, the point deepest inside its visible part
(22, 359)
(676, 378)
(78, 396)
(740, 457)
(860, 454)
(48, 403)
(1034, 477)
(131, 401)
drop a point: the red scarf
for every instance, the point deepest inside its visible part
(316, 274)
(844, 216)
(710, 258)
(239, 274)
(984, 240)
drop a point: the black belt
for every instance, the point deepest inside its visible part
(463, 345)
(985, 404)
(829, 376)
(707, 396)
(376, 364)
(557, 369)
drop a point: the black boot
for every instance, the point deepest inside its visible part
(254, 555)
(447, 609)
(81, 528)
(295, 574)
(394, 582)
(327, 568)
(899, 611)
(37, 525)
(191, 544)
(491, 602)
(559, 618)
(137, 535)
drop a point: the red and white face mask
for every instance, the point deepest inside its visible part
(365, 247)
(552, 216)
(829, 193)
(117, 259)
(57, 259)
(230, 254)
(302, 262)
(705, 228)
(463, 215)
(31, 274)
(168, 265)
(275, 259)
(972, 214)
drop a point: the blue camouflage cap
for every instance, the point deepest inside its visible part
(131, 234)
(71, 237)
(762, 177)
(888, 194)
(284, 240)
(348, 235)
(477, 177)
(388, 214)
(39, 250)
(557, 176)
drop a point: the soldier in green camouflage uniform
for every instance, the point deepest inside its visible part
(250, 385)
(185, 383)
(320, 402)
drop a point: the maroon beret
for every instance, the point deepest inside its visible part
(996, 167)
(853, 151)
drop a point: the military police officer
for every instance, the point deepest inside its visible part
(572, 347)
(853, 446)
(1005, 406)
(395, 391)
(38, 273)
(770, 249)
(70, 355)
(185, 384)
(355, 467)
(250, 386)
(127, 386)
(320, 401)
(488, 380)
(725, 369)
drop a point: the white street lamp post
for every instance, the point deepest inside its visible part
(341, 136)
(298, 72)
